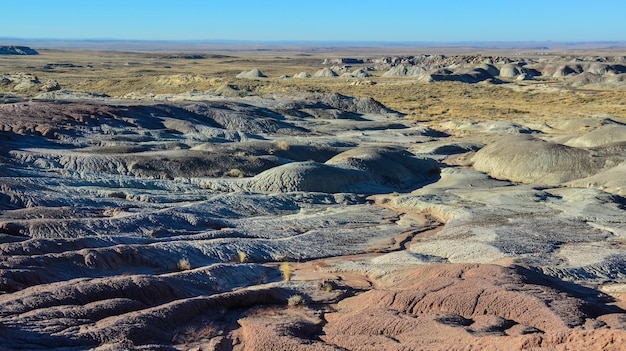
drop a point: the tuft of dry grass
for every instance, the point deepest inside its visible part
(235, 173)
(295, 300)
(197, 333)
(242, 256)
(183, 264)
(285, 269)
(282, 145)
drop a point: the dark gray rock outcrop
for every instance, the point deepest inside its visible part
(17, 50)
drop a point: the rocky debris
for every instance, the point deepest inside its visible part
(251, 74)
(17, 50)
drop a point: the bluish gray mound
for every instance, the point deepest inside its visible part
(362, 170)
(17, 50)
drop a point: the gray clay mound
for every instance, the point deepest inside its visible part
(510, 71)
(302, 75)
(465, 75)
(325, 73)
(243, 118)
(611, 181)
(586, 78)
(388, 165)
(253, 73)
(361, 73)
(308, 176)
(606, 134)
(493, 70)
(361, 105)
(597, 68)
(333, 106)
(529, 160)
(405, 71)
(566, 70)
(584, 124)
(365, 170)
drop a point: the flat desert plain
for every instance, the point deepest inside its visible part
(313, 198)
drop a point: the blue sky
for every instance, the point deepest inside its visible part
(321, 20)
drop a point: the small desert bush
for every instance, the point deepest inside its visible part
(295, 300)
(183, 264)
(235, 173)
(285, 269)
(327, 285)
(283, 145)
(198, 333)
(242, 256)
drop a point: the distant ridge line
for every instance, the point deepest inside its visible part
(158, 45)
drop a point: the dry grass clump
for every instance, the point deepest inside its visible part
(327, 285)
(183, 264)
(197, 333)
(295, 300)
(282, 145)
(285, 269)
(242, 256)
(235, 173)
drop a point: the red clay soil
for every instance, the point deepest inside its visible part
(448, 307)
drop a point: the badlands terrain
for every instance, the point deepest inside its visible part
(313, 199)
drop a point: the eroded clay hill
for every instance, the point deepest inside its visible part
(306, 221)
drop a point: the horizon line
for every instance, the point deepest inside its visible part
(316, 41)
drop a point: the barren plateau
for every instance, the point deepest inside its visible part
(313, 199)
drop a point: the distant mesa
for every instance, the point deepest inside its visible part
(341, 61)
(251, 74)
(17, 50)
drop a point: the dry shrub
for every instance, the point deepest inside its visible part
(235, 173)
(285, 269)
(198, 333)
(183, 264)
(242, 256)
(327, 285)
(295, 300)
(283, 145)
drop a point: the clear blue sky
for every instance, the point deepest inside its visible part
(316, 20)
